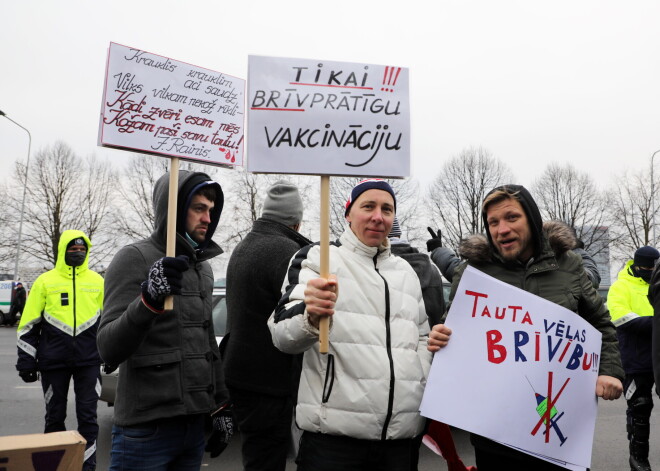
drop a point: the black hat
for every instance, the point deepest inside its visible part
(646, 256)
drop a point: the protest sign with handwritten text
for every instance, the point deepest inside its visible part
(158, 105)
(518, 369)
(327, 118)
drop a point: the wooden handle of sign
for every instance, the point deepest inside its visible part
(324, 323)
(170, 249)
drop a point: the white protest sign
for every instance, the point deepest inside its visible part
(511, 357)
(327, 118)
(161, 106)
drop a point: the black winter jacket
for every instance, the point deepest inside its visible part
(255, 274)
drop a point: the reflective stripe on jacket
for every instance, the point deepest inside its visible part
(59, 323)
(632, 315)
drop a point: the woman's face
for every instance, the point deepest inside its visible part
(371, 217)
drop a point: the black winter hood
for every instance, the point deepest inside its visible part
(189, 184)
(531, 211)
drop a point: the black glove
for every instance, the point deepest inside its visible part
(165, 277)
(223, 429)
(29, 376)
(435, 241)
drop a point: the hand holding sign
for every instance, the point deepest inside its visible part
(320, 298)
(438, 337)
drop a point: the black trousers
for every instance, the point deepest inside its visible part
(265, 425)
(513, 461)
(322, 452)
(638, 386)
(86, 386)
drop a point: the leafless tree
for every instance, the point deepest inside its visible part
(244, 198)
(631, 206)
(454, 198)
(135, 218)
(63, 192)
(565, 194)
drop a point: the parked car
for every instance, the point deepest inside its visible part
(109, 380)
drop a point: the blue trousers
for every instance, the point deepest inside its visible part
(173, 444)
(86, 386)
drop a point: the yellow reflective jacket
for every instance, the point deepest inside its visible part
(59, 323)
(632, 315)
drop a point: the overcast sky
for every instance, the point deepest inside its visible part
(534, 82)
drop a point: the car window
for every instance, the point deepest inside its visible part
(219, 314)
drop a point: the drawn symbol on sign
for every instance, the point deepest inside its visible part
(390, 78)
(228, 155)
(545, 407)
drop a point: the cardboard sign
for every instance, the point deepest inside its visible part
(327, 118)
(58, 451)
(518, 369)
(157, 105)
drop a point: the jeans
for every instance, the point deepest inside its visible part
(174, 444)
(321, 452)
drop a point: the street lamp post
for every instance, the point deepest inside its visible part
(27, 165)
(653, 196)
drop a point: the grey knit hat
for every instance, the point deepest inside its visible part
(283, 204)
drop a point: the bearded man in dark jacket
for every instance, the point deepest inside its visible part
(258, 375)
(170, 375)
(519, 252)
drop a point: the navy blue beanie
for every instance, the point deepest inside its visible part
(368, 184)
(646, 256)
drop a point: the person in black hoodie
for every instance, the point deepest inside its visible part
(258, 375)
(520, 251)
(170, 375)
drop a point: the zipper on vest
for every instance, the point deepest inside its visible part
(388, 342)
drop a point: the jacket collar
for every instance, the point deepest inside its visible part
(349, 240)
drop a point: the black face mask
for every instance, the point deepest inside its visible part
(74, 259)
(644, 274)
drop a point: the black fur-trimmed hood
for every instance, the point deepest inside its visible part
(476, 248)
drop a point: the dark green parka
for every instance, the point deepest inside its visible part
(554, 273)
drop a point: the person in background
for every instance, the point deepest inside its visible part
(632, 315)
(521, 251)
(258, 375)
(428, 274)
(358, 405)
(170, 375)
(57, 339)
(430, 281)
(17, 304)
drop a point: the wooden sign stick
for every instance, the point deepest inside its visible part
(324, 324)
(170, 249)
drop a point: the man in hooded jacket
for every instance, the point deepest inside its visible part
(521, 253)
(170, 375)
(57, 338)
